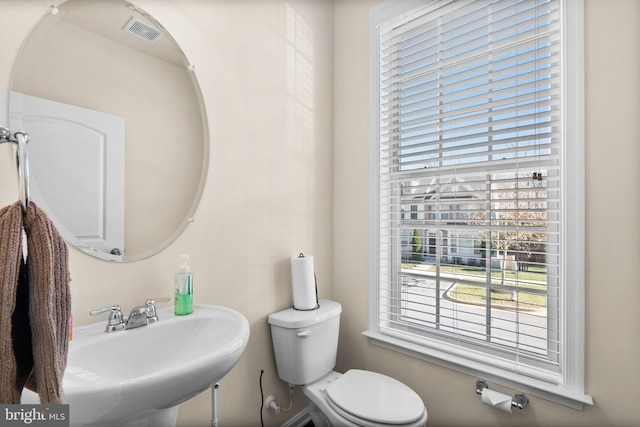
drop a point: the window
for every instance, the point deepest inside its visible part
(477, 133)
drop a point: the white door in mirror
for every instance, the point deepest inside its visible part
(84, 186)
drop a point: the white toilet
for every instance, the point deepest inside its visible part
(305, 344)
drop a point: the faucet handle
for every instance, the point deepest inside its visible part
(152, 317)
(155, 300)
(115, 322)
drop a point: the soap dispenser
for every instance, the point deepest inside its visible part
(183, 301)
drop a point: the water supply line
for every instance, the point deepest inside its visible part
(270, 402)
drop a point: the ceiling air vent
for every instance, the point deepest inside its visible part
(142, 30)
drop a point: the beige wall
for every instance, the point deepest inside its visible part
(612, 153)
(268, 90)
(277, 185)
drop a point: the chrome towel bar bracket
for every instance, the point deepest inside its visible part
(21, 139)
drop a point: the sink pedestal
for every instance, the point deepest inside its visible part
(164, 418)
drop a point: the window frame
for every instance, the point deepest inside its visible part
(568, 387)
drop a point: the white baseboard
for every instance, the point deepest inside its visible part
(299, 420)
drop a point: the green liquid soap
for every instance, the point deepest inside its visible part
(183, 304)
(183, 300)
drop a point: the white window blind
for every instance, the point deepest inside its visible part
(469, 147)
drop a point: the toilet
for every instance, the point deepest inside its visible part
(305, 344)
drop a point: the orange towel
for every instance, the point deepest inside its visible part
(49, 304)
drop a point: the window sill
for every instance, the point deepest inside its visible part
(556, 393)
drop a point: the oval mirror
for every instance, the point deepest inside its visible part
(119, 147)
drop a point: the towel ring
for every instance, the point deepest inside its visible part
(23, 168)
(21, 139)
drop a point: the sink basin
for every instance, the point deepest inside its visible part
(126, 377)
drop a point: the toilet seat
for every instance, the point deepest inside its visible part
(371, 399)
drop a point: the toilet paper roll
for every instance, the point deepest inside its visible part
(496, 400)
(303, 281)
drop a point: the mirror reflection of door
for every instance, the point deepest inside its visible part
(84, 187)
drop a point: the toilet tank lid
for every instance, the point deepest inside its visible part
(292, 318)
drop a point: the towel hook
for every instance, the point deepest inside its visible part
(21, 139)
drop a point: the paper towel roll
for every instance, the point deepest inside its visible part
(303, 282)
(497, 400)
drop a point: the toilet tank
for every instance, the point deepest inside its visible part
(305, 343)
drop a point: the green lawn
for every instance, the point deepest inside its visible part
(478, 295)
(527, 283)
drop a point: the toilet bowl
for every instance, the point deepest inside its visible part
(305, 344)
(364, 399)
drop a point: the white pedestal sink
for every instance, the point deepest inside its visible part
(138, 377)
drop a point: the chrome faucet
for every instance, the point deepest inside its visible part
(141, 315)
(137, 317)
(115, 322)
(152, 316)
